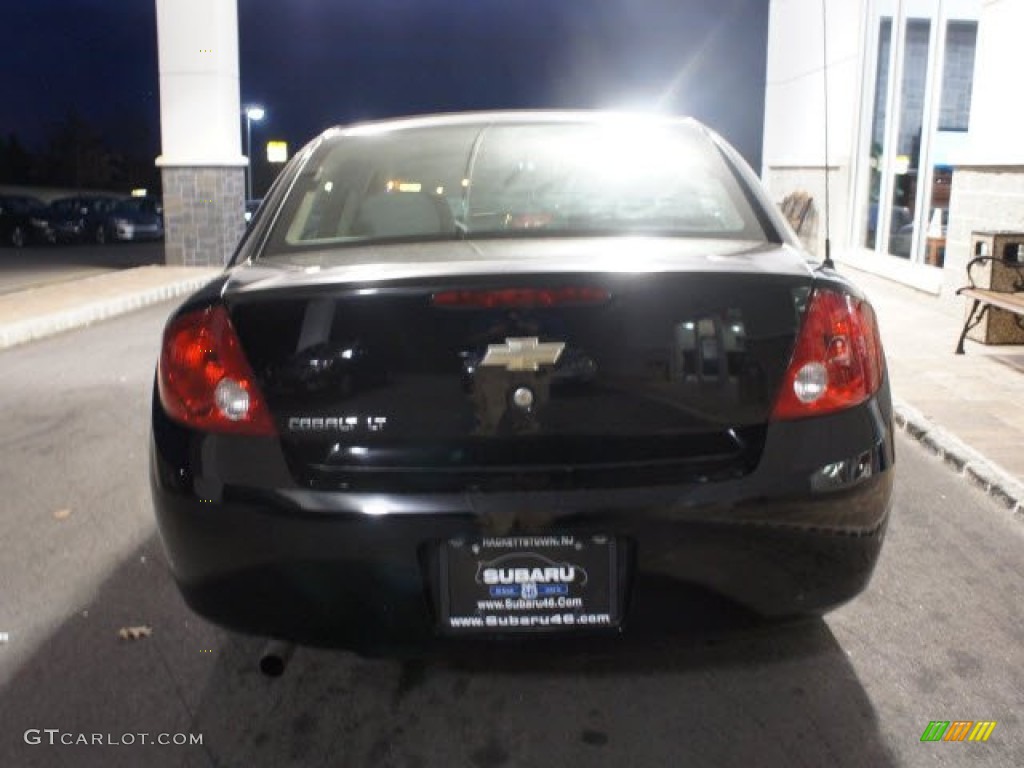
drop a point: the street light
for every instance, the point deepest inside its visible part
(252, 113)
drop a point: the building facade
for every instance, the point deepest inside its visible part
(924, 144)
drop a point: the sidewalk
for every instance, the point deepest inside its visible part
(37, 312)
(966, 409)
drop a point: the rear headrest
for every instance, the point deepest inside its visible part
(394, 214)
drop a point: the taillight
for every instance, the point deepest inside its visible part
(837, 362)
(204, 380)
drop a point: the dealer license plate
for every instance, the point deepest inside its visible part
(529, 583)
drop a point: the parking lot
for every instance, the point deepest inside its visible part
(34, 266)
(937, 636)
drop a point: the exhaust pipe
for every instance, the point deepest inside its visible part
(275, 657)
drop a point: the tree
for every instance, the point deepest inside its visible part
(15, 161)
(77, 156)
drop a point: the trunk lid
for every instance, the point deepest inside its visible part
(517, 364)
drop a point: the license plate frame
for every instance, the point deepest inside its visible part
(529, 583)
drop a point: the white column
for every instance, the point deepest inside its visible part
(203, 167)
(793, 157)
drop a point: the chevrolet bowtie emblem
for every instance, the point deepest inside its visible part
(523, 354)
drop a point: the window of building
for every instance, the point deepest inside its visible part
(919, 101)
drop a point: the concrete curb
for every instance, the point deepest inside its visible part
(79, 317)
(964, 460)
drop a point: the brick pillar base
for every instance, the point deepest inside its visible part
(204, 214)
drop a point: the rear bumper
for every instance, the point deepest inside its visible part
(129, 234)
(254, 552)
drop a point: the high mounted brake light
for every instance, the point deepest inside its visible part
(204, 380)
(837, 362)
(520, 297)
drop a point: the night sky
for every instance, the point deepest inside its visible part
(315, 63)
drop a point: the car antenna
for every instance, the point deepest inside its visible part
(828, 263)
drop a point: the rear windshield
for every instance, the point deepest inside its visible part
(22, 205)
(464, 182)
(134, 206)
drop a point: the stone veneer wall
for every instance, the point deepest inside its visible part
(983, 198)
(203, 214)
(783, 180)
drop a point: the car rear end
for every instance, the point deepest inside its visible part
(24, 220)
(135, 220)
(405, 438)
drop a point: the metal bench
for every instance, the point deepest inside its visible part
(986, 298)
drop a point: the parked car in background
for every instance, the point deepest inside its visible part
(23, 220)
(81, 218)
(67, 219)
(135, 218)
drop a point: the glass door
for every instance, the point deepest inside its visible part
(916, 102)
(947, 131)
(880, 97)
(905, 140)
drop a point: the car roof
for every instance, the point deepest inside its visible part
(23, 200)
(509, 117)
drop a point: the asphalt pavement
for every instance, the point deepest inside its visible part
(35, 266)
(937, 635)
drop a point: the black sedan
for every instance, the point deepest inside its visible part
(68, 218)
(136, 218)
(24, 220)
(82, 218)
(518, 373)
